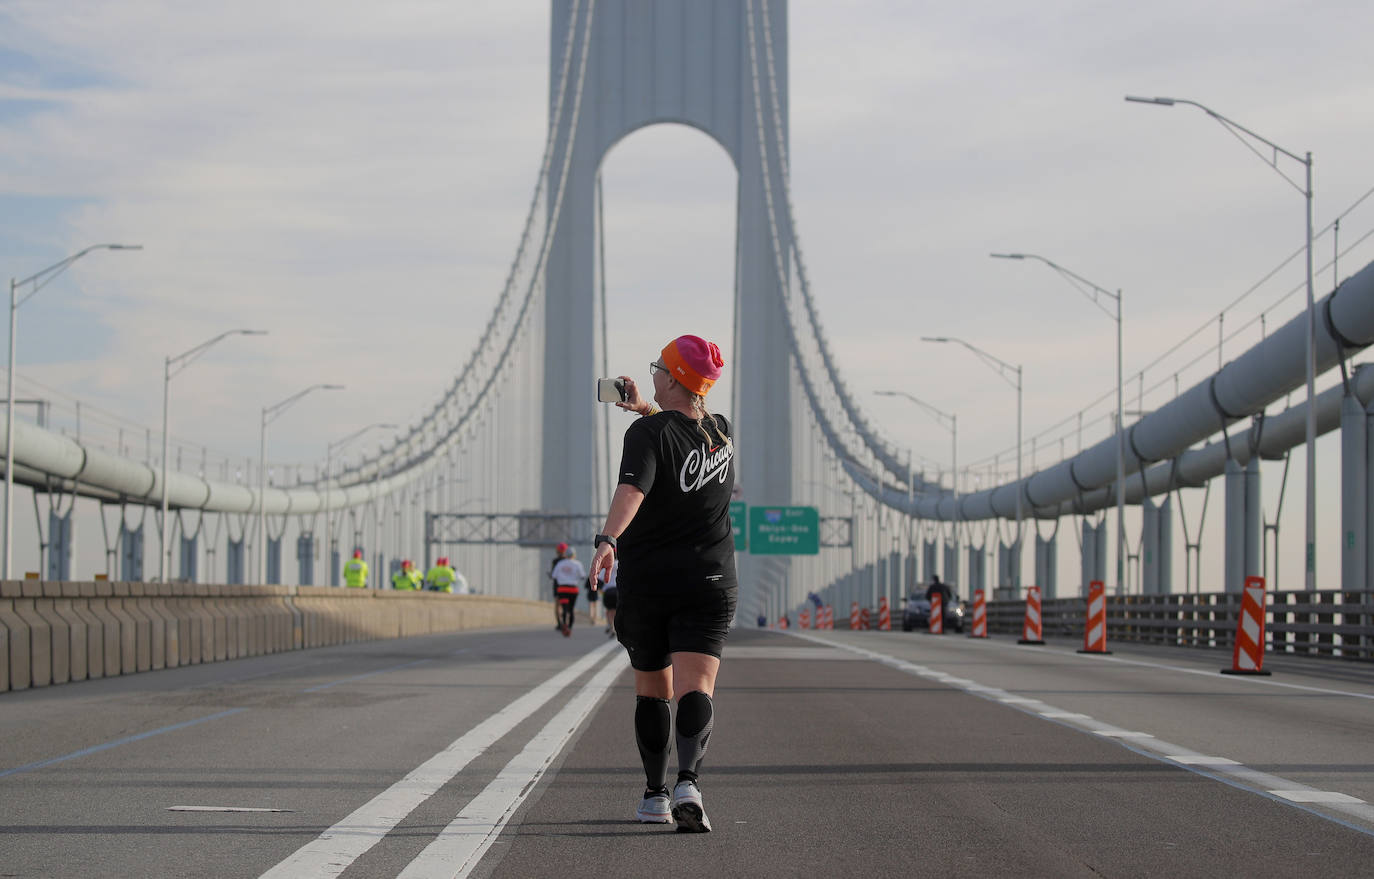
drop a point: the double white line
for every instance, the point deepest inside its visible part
(460, 845)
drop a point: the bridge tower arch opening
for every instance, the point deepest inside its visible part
(666, 265)
(691, 62)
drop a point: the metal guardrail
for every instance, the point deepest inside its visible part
(1321, 623)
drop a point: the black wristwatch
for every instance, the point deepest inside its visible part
(604, 538)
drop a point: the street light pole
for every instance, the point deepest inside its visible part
(328, 475)
(1080, 283)
(1310, 575)
(270, 414)
(1002, 368)
(39, 280)
(953, 425)
(182, 360)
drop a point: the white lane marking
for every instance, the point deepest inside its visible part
(1017, 700)
(339, 846)
(461, 845)
(1315, 796)
(1233, 773)
(1201, 760)
(223, 809)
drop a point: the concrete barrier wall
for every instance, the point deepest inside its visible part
(53, 633)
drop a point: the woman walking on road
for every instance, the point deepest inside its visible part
(669, 527)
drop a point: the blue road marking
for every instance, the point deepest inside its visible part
(124, 741)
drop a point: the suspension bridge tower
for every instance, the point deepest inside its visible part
(703, 63)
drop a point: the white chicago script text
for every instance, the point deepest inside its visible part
(703, 465)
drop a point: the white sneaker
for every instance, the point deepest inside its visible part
(688, 811)
(653, 809)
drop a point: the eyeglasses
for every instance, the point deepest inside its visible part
(654, 367)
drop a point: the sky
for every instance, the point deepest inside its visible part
(353, 180)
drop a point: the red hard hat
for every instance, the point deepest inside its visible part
(357, 553)
(443, 559)
(405, 563)
(561, 548)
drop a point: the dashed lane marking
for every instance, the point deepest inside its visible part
(1315, 796)
(223, 809)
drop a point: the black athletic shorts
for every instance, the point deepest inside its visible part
(655, 626)
(608, 597)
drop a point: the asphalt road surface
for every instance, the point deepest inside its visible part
(511, 754)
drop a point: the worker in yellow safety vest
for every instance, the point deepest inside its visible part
(440, 577)
(355, 571)
(407, 578)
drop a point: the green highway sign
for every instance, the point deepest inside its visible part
(737, 525)
(784, 530)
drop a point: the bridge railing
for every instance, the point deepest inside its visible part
(1320, 623)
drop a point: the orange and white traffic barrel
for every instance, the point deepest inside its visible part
(864, 619)
(1031, 631)
(805, 619)
(980, 616)
(884, 615)
(937, 614)
(782, 621)
(829, 612)
(1247, 658)
(1095, 626)
(854, 616)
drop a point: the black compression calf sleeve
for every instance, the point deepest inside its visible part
(695, 715)
(653, 725)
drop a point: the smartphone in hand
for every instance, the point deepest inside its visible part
(610, 390)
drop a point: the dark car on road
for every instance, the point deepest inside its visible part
(916, 615)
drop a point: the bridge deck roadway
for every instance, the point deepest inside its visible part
(915, 755)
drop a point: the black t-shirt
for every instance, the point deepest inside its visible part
(680, 539)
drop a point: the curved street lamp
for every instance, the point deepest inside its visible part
(270, 414)
(1080, 283)
(39, 280)
(181, 361)
(1241, 134)
(1006, 371)
(951, 422)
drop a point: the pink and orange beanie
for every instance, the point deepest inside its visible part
(693, 362)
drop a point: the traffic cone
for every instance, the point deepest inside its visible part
(1031, 630)
(936, 623)
(829, 616)
(854, 616)
(805, 620)
(980, 615)
(1248, 656)
(782, 622)
(884, 615)
(863, 619)
(1095, 627)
